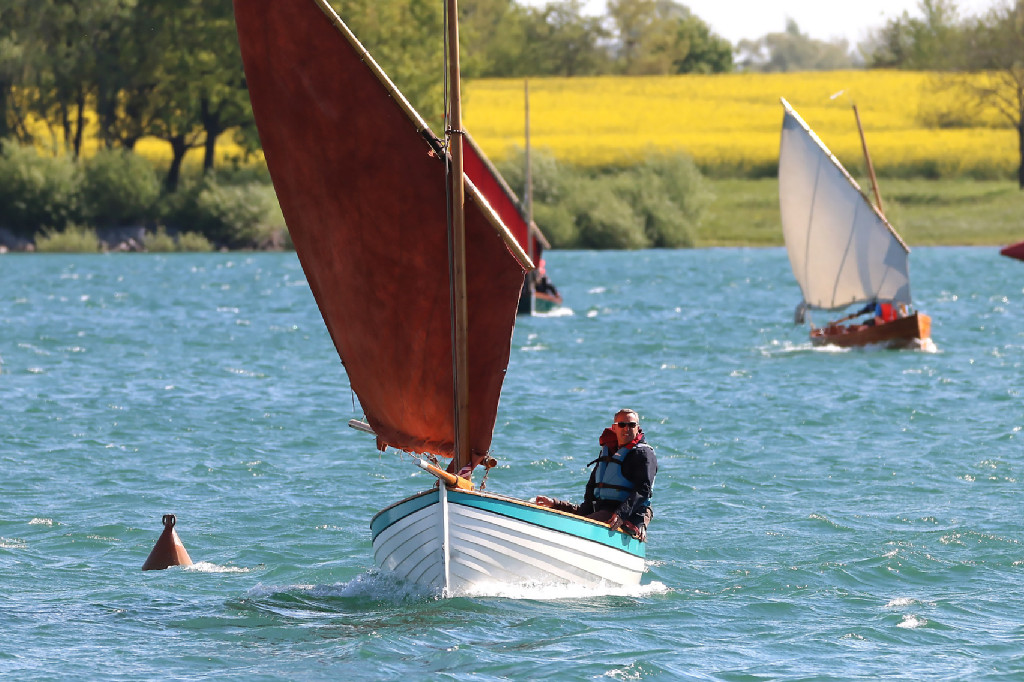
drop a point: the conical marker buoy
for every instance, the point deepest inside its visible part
(168, 550)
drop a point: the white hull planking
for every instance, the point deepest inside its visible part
(488, 548)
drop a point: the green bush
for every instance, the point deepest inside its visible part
(36, 191)
(119, 188)
(195, 242)
(604, 218)
(228, 216)
(73, 239)
(670, 194)
(657, 203)
(159, 241)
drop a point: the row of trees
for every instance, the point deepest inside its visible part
(958, 49)
(170, 69)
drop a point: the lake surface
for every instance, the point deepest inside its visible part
(819, 514)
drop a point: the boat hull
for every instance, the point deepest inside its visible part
(494, 540)
(905, 332)
(1013, 251)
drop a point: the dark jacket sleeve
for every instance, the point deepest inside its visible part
(639, 467)
(579, 509)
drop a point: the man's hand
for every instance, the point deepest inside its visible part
(615, 522)
(542, 501)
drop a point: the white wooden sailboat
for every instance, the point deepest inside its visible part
(362, 185)
(842, 249)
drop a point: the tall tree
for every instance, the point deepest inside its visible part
(223, 99)
(13, 21)
(559, 40)
(705, 52)
(931, 41)
(794, 51)
(664, 37)
(406, 37)
(63, 41)
(995, 47)
(491, 37)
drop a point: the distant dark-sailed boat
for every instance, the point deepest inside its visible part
(1013, 251)
(420, 309)
(538, 294)
(842, 249)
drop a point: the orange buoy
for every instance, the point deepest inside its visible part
(168, 550)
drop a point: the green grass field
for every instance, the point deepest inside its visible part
(924, 212)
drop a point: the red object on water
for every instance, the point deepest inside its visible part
(1014, 251)
(168, 550)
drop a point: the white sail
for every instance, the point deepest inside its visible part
(842, 250)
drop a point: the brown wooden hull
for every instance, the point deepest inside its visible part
(906, 332)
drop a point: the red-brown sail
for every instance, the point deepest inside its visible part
(362, 190)
(500, 196)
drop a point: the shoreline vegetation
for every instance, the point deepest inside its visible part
(682, 181)
(739, 212)
(648, 130)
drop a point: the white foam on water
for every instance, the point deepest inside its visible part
(384, 586)
(560, 311)
(900, 602)
(207, 567)
(911, 622)
(556, 591)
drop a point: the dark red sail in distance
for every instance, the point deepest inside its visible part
(480, 172)
(363, 193)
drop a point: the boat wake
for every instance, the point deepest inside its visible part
(560, 311)
(559, 591)
(207, 567)
(377, 585)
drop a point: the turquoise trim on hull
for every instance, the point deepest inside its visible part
(576, 526)
(514, 509)
(410, 505)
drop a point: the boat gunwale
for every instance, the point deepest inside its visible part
(639, 549)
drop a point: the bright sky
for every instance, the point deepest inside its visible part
(736, 20)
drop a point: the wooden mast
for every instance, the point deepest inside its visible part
(460, 326)
(867, 157)
(528, 208)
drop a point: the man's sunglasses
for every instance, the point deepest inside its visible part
(623, 425)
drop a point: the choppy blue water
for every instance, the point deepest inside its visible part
(819, 515)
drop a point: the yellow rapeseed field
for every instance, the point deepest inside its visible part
(731, 122)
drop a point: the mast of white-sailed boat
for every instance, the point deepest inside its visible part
(460, 326)
(867, 157)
